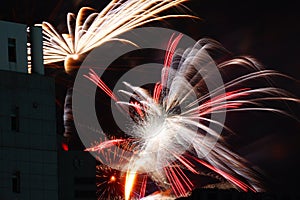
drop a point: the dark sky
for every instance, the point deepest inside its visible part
(266, 30)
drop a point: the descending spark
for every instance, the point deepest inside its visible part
(143, 187)
(172, 134)
(90, 29)
(68, 114)
(130, 178)
(104, 145)
(94, 78)
(157, 91)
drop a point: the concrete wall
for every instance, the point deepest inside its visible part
(32, 165)
(77, 176)
(18, 32)
(32, 149)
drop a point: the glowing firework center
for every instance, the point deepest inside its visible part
(164, 134)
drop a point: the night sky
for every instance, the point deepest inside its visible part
(268, 32)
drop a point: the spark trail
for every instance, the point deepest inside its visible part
(172, 134)
(90, 29)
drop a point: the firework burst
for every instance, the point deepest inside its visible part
(109, 180)
(171, 132)
(90, 29)
(110, 177)
(109, 183)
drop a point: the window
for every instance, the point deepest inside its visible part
(16, 182)
(12, 55)
(14, 120)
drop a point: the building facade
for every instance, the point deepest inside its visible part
(33, 165)
(28, 147)
(28, 140)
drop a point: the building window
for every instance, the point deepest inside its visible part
(12, 54)
(16, 182)
(14, 120)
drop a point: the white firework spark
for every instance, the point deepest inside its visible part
(171, 133)
(91, 29)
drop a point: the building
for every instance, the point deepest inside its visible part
(28, 150)
(13, 43)
(28, 144)
(77, 179)
(32, 163)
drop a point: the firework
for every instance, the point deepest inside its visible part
(109, 183)
(91, 29)
(110, 177)
(171, 131)
(68, 116)
(109, 180)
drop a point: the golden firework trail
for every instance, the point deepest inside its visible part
(90, 29)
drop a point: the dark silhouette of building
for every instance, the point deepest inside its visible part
(33, 163)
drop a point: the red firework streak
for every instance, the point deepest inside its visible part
(178, 180)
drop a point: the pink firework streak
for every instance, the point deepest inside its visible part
(172, 136)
